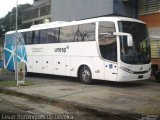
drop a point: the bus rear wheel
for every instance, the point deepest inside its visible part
(85, 75)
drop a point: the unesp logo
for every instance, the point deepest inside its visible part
(62, 50)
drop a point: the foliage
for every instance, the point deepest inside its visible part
(7, 23)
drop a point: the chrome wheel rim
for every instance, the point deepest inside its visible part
(86, 75)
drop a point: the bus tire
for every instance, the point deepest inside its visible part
(85, 75)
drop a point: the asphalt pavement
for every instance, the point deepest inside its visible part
(137, 98)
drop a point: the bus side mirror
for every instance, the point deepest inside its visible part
(129, 37)
(129, 40)
(108, 34)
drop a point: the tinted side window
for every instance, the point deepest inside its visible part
(28, 38)
(67, 33)
(49, 36)
(24, 36)
(35, 35)
(52, 35)
(85, 32)
(43, 36)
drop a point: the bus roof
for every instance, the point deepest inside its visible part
(64, 23)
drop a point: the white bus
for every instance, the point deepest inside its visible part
(104, 48)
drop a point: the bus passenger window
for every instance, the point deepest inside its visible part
(52, 35)
(66, 34)
(24, 36)
(29, 38)
(35, 37)
(85, 32)
(43, 36)
(77, 35)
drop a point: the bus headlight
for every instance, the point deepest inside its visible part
(149, 70)
(127, 70)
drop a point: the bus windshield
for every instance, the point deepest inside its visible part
(139, 53)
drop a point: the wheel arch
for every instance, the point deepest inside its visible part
(82, 65)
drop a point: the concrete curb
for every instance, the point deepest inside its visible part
(62, 103)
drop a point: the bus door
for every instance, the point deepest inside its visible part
(108, 48)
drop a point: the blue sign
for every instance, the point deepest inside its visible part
(10, 50)
(110, 66)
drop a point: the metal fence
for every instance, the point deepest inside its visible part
(148, 6)
(155, 48)
(36, 13)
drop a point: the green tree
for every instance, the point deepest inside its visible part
(8, 22)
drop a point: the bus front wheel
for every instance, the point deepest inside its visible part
(85, 75)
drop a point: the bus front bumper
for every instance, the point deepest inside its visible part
(125, 76)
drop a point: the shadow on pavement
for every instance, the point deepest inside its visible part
(52, 78)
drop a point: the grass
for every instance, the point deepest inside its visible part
(6, 72)
(13, 83)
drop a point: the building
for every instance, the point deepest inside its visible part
(68, 10)
(149, 12)
(39, 13)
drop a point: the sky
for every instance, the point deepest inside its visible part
(7, 5)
